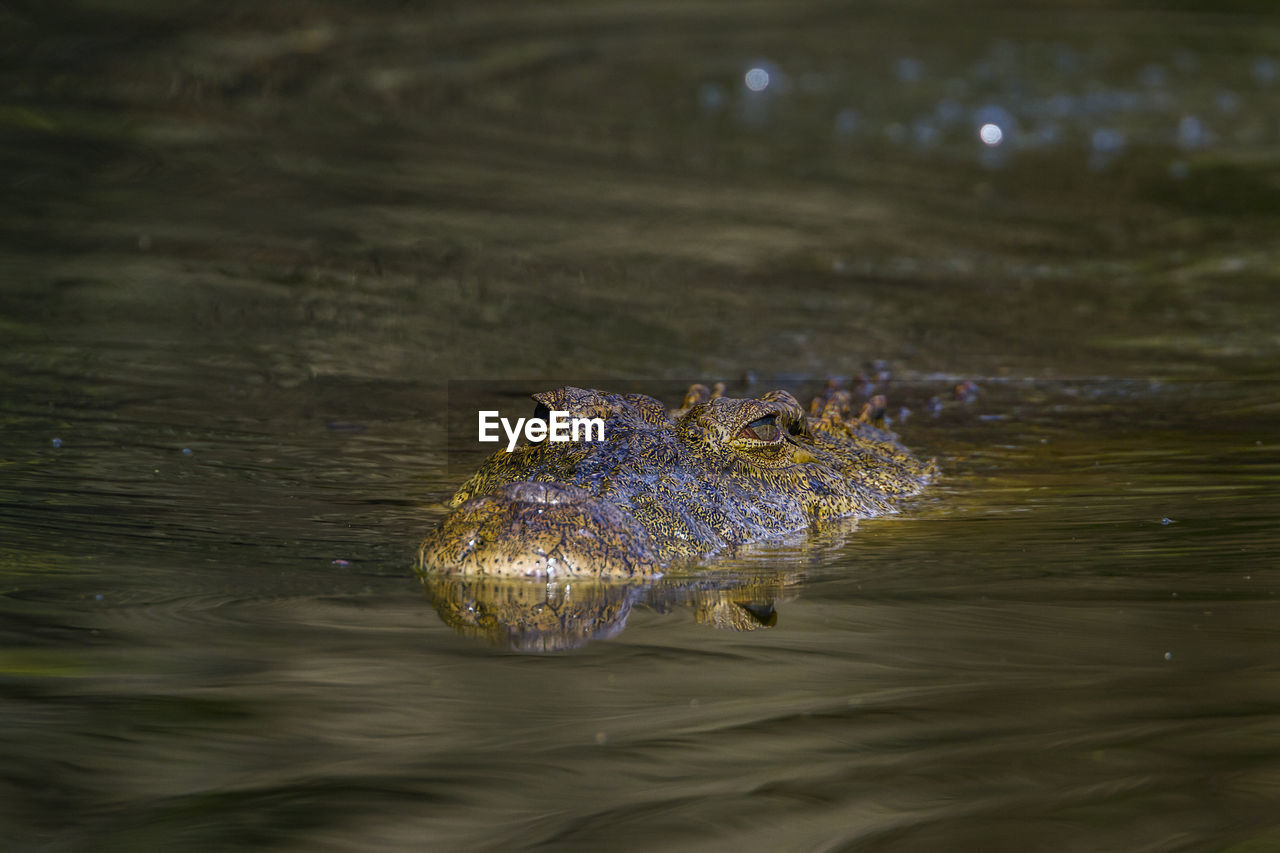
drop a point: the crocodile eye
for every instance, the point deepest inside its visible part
(762, 429)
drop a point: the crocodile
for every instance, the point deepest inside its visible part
(666, 488)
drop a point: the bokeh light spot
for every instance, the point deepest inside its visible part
(757, 79)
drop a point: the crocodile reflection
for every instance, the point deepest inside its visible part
(532, 615)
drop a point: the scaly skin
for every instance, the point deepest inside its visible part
(667, 487)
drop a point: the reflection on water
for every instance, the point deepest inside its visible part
(270, 237)
(537, 616)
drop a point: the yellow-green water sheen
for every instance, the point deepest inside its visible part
(245, 247)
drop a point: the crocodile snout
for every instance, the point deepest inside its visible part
(531, 529)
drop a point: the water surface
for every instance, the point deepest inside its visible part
(243, 253)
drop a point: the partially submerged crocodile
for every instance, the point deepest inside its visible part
(668, 487)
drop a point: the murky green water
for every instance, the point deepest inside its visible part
(269, 234)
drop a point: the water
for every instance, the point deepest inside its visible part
(270, 237)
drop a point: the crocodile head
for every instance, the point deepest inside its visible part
(667, 486)
(540, 529)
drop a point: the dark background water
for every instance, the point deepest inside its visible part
(270, 233)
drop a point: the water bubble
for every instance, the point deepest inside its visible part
(762, 81)
(1002, 120)
(57, 442)
(1166, 521)
(757, 79)
(340, 563)
(1168, 655)
(98, 597)
(186, 451)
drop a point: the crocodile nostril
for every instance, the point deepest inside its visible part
(542, 493)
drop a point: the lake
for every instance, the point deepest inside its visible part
(248, 250)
